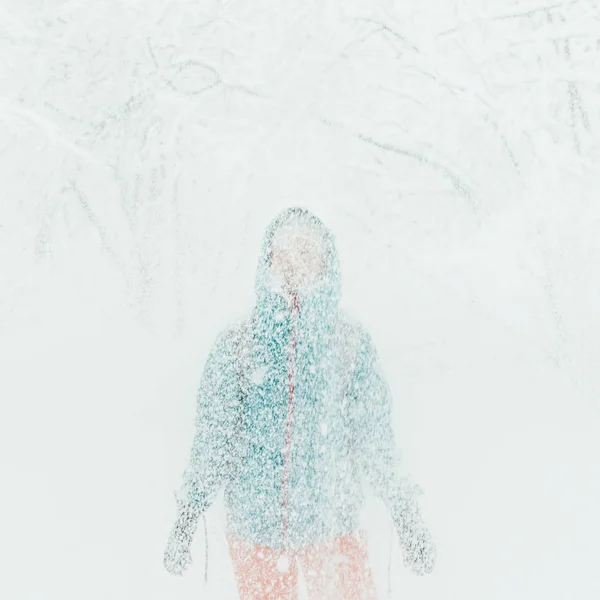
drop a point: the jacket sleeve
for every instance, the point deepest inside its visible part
(217, 419)
(371, 417)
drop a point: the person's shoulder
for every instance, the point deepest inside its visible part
(351, 332)
(234, 334)
(350, 325)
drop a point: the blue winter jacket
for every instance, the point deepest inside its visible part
(292, 413)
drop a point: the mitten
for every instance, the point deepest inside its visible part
(177, 555)
(416, 541)
(419, 549)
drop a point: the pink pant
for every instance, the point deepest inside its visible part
(335, 570)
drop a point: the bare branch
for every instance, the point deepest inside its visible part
(461, 187)
(96, 224)
(383, 27)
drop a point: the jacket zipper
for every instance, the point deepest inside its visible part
(295, 309)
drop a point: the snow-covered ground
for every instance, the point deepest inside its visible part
(454, 149)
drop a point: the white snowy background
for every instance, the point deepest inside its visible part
(454, 148)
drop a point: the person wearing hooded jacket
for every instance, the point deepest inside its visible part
(293, 411)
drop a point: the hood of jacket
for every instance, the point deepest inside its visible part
(318, 305)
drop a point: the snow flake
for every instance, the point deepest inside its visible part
(258, 375)
(283, 564)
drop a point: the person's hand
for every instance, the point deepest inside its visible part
(417, 544)
(177, 556)
(419, 550)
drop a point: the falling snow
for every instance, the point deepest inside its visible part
(451, 147)
(284, 488)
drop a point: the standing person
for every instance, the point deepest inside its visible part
(292, 412)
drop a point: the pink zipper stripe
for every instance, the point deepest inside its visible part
(295, 309)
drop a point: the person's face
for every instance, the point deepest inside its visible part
(297, 257)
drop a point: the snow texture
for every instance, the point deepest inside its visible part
(452, 147)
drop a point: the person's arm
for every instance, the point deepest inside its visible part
(217, 414)
(371, 413)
